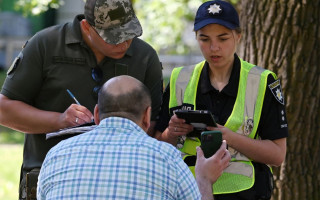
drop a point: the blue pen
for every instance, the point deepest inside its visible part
(72, 96)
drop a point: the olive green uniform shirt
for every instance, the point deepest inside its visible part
(56, 59)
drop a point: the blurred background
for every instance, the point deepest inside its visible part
(167, 26)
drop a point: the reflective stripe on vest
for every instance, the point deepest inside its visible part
(244, 119)
(183, 85)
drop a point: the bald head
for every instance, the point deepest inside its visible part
(123, 96)
(120, 85)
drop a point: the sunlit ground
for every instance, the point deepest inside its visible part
(10, 163)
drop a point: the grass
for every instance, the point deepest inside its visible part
(11, 147)
(10, 159)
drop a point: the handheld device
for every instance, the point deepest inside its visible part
(210, 142)
(200, 119)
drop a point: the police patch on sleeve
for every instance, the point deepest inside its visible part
(14, 65)
(276, 90)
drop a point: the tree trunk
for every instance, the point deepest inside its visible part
(284, 36)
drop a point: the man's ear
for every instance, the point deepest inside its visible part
(96, 115)
(146, 118)
(85, 26)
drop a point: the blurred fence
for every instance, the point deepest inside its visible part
(14, 31)
(171, 61)
(9, 49)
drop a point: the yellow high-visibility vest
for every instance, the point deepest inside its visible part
(244, 119)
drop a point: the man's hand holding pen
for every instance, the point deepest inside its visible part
(76, 114)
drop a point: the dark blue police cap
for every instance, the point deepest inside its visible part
(216, 12)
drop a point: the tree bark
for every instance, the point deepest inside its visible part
(284, 36)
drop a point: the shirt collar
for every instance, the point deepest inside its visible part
(73, 31)
(121, 123)
(231, 88)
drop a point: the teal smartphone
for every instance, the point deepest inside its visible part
(210, 142)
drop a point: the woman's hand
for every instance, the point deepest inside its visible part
(271, 152)
(224, 130)
(178, 127)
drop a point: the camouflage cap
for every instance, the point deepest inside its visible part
(114, 20)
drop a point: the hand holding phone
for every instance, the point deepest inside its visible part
(210, 169)
(210, 142)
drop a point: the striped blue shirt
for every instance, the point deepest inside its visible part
(117, 160)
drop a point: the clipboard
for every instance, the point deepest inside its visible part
(71, 131)
(199, 119)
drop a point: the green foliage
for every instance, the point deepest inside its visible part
(3, 75)
(36, 7)
(164, 21)
(8, 136)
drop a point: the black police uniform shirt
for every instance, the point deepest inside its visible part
(273, 122)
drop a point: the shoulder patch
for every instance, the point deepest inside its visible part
(25, 44)
(15, 64)
(276, 90)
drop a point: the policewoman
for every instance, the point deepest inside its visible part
(246, 101)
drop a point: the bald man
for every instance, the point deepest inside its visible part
(118, 160)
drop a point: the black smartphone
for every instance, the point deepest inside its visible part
(210, 142)
(200, 119)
